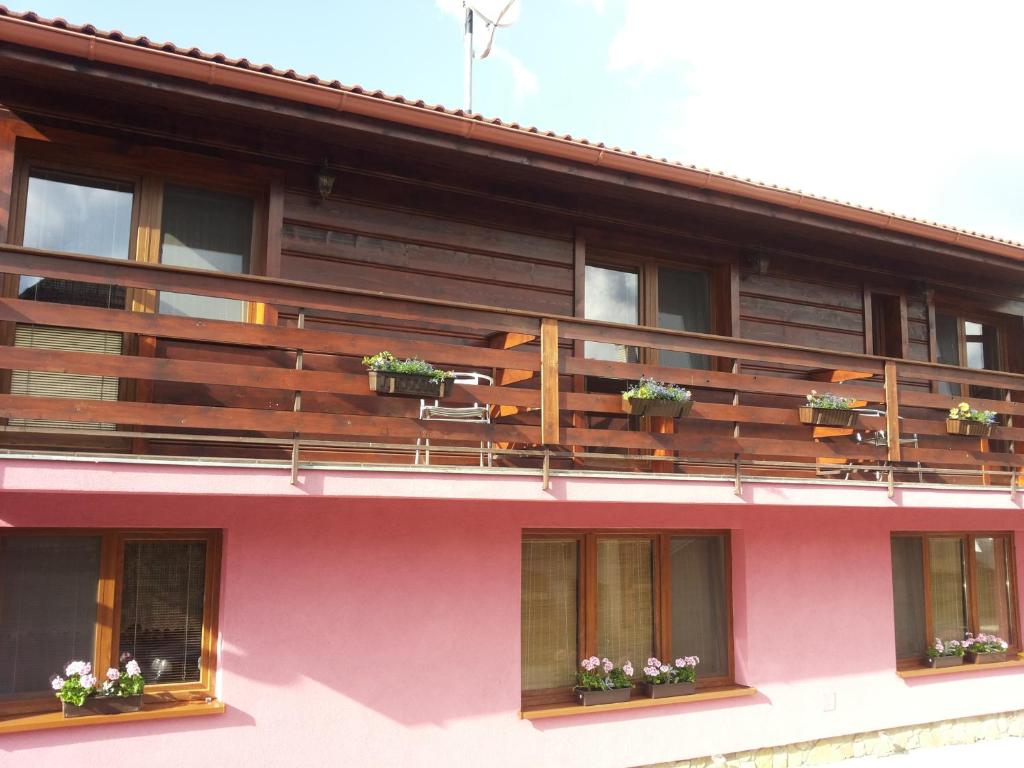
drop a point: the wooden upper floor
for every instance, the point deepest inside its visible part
(180, 282)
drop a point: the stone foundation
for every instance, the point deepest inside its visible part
(876, 743)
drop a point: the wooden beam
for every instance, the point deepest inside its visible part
(549, 419)
(892, 411)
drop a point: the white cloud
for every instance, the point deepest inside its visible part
(878, 102)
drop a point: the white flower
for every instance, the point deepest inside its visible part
(666, 668)
(132, 668)
(57, 683)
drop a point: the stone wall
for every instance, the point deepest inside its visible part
(874, 743)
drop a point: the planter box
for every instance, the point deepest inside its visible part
(589, 698)
(669, 409)
(104, 705)
(941, 662)
(972, 428)
(407, 384)
(666, 690)
(828, 417)
(984, 658)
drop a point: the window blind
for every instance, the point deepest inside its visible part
(48, 590)
(548, 628)
(69, 385)
(162, 602)
(625, 600)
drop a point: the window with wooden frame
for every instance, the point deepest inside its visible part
(626, 597)
(678, 297)
(886, 325)
(94, 595)
(970, 340)
(948, 584)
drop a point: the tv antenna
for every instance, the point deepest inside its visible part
(494, 14)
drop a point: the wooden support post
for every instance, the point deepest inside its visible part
(549, 416)
(892, 411)
(297, 401)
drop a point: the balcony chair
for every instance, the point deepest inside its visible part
(880, 439)
(477, 412)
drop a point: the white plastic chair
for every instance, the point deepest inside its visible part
(477, 412)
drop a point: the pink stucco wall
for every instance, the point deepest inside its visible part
(365, 632)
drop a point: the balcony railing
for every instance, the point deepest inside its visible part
(293, 389)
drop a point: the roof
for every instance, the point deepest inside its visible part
(86, 41)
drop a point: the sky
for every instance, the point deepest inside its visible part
(911, 106)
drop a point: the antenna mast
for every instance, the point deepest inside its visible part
(494, 14)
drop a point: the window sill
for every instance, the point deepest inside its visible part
(1017, 663)
(160, 711)
(568, 710)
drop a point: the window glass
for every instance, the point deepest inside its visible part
(612, 295)
(908, 595)
(48, 589)
(201, 229)
(625, 600)
(948, 582)
(162, 602)
(991, 559)
(76, 214)
(548, 628)
(684, 304)
(699, 603)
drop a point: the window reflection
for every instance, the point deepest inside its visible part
(612, 295)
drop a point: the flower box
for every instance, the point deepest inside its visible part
(665, 690)
(827, 417)
(104, 705)
(973, 657)
(965, 427)
(407, 384)
(589, 698)
(669, 409)
(941, 662)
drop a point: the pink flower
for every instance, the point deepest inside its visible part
(680, 662)
(113, 673)
(628, 669)
(608, 666)
(653, 662)
(652, 671)
(87, 681)
(665, 668)
(57, 683)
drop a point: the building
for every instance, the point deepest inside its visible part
(198, 252)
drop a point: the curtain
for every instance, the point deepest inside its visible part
(991, 577)
(548, 624)
(949, 595)
(684, 304)
(205, 230)
(625, 600)
(699, 602)
(48, 588)
(162, 601)
(908, 596)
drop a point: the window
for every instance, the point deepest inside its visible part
(970, 343)
(94, 595)
(680, 300)
(626, 597)
(888, 325)
(948, 584)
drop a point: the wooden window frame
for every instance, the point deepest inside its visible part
(149, 179)
(108, 611)
(586, 597)
(967, 538)
(871, 323)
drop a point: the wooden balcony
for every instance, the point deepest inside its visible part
(292, 389)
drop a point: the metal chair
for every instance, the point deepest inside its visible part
(477, 412)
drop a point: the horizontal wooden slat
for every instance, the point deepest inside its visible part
(995, 379)
(224, 332)
(246, 420)
(712, 345)
(961, 457)
(909, 397)
(716, 380)
(29, 261)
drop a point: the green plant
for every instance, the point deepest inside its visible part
(829, 401)
(649, 389)
(964, 412)
(385, 361)
(684, 670)
(601, 675)
(983, 643)
(949, 648)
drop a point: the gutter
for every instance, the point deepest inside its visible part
(98, 49)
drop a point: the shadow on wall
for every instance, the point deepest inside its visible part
(131, 730)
